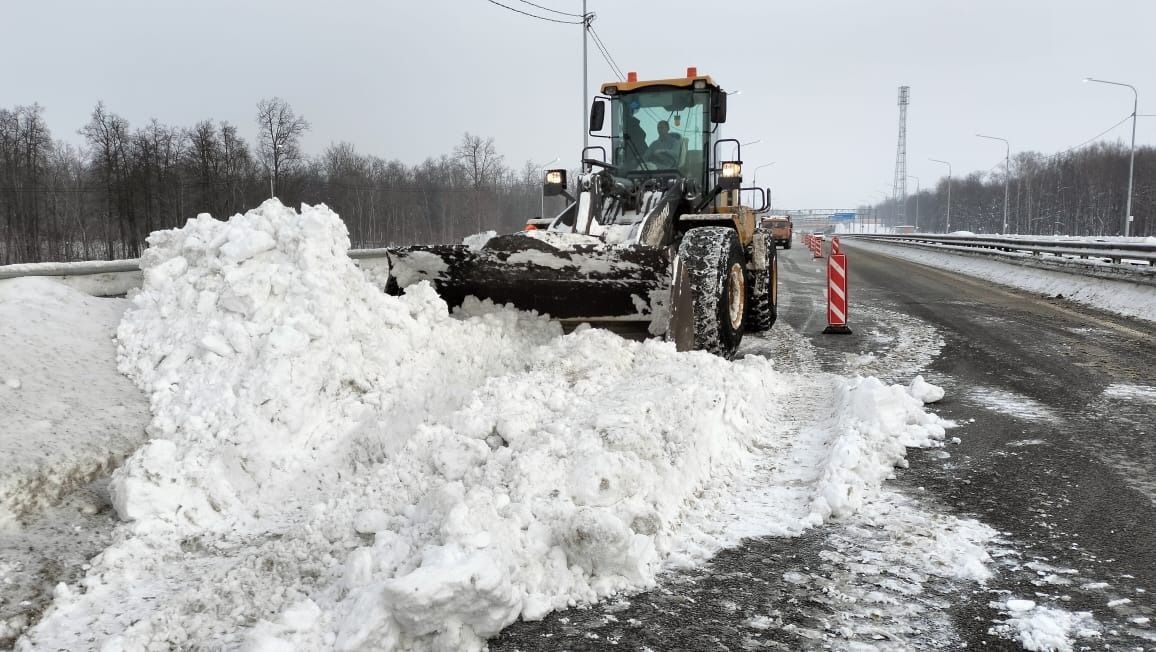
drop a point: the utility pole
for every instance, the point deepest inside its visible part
(947, 229)
(585, 84)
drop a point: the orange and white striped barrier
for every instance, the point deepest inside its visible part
(815, 243)
(835, 245)
(837, 295)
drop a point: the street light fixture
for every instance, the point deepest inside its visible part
(1006, 174)
(911, 176)
(1132, 155)
(948, 228)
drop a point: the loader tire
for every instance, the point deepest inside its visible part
(708, 292)
(763, 295)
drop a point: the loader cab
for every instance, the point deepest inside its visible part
(665, 127)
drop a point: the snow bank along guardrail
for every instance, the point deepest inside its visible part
(1132, 261)
(114, 278)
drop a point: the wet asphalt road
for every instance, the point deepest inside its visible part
(1057, 452)
(1069, 474)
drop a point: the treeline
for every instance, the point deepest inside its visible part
(1082, 192)
(59, 202)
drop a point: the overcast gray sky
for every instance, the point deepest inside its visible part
(405, 79)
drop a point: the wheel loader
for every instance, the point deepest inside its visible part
(653, 234)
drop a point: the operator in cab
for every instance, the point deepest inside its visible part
(664, 151)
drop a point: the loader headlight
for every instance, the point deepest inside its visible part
(555, 182)
(732, 175)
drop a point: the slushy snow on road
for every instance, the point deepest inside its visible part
(330, 467)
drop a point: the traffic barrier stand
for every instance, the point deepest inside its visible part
(837, 295)
(835, 245)
(816, 247)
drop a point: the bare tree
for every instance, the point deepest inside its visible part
(108, 137)
(483, 166)
(238, 166)
(481, 159)
(279, 141)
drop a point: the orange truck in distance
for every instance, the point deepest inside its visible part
(780, 227)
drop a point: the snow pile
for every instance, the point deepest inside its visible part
(478, 240)
(336, 468)
(879, 423)
(1044, 628)
(59, 389)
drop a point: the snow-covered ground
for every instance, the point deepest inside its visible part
(329, 467)
(1118, 296)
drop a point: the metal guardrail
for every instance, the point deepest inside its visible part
(1132, 262)
(1135, 260)
(1134, 254)
(81, 268)
(111, 278)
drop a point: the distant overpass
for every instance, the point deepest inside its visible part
(822, 219)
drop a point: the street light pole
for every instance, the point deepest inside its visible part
(755, 176)
(911, 176)
(1132, 154)
(875, 214)
(755, 181)
(1006, 175)
(948, 227)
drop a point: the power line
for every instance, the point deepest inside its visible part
(606, 53)
(1074, 147)
(609, 60)
(549, 9)
(1122, 121)
(526, 13)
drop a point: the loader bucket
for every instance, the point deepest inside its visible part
(571, 283)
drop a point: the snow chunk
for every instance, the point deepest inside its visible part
(1044, 628)
(925, 391)
(478, 240)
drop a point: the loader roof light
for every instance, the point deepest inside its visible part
(692, 71)
(699, 84)
(631, 77)
(732, 175)
(555, 182)
(611, 90)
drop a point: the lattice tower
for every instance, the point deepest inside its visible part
(899, 188)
